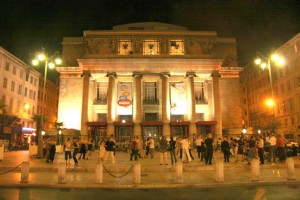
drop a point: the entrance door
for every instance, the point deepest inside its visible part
(178, 131)
(125, 132)
(204, 130)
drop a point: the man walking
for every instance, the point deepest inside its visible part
(209, 149)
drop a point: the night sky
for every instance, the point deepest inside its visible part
(258, 25)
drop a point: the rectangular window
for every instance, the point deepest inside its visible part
(7, 66)
(21, 74)
(101, 93)
(25, 92)
(13, 83)
(125, 47)
(282, 88)
(199, 93)
(14, 70)
(150, 93)
(150, 47)
(5, 83)
(176, 47)
(20, 89)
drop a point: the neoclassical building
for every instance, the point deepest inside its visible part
(150, 78)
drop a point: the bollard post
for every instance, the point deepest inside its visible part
(220, 171)
(99, 173)
(24, 172)
(290, 167)
(62, 173)
(179, 168)
(255, 170)
(137, 173)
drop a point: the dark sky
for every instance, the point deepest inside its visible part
(258, 25)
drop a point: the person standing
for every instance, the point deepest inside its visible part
(198, 144)
(172, 150)
(185, 150)
(82, 150)
(281, 148)
(147, 147)
(225, 148)
(90, 147)
(272, 149)
(102, 151)
(134, 148)
(76, 150)
(163, 148)
(110, 149)
(252, 147)
(261, 150)
(68, 151)
(209, 149)
(151, 147)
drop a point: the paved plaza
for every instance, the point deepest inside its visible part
(153, 175)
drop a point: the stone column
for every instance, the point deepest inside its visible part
(217, 104)
(111, 112)
(191, 103)
(137, 104)
(165, 104)
(84, 107)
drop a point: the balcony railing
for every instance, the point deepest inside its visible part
(201, 101)
(100, 101)
(150, 101)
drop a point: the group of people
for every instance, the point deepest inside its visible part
(239, 149)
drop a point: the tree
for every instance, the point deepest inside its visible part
(38, 120)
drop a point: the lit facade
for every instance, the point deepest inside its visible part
(18, 89)
(286, 82)
(150, 78)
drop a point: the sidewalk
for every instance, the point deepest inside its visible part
(153, 175)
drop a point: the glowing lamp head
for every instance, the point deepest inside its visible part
(43, 133)
(257, 61)
(270, 102)
(41, 57)
(27, 106)
(263, 65)
(51, 65)
(35, 62)
(58, 61)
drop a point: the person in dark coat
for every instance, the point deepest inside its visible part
(225, 147)
(209, 149)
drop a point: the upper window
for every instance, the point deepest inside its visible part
(101, 93)
(176, 47)
(150, 47)
(14, 70)
(7, 66)
(150, 93)
(125, 47)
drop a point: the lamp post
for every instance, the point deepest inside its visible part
(50, 61)
(265, 63)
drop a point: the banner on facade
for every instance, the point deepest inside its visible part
(178, 98)
(124, 101)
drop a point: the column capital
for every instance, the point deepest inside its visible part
(215, 74)
(113, 74)
(165, 74)
(137, 74)
(190, 74)
(86, 74)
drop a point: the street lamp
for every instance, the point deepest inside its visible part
(265, 63)
(51, 62)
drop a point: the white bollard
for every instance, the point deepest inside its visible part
(220, 171)
(255, 170)
(179, 168)
(62, 173)
(290, 167)
(99, 173)
(24, 172)
(137, 173)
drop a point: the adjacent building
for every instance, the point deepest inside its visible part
(21, 99)
(286, 89)
(150, 79)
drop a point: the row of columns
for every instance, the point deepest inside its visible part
(137, 103)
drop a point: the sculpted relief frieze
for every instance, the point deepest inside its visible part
(109, 45)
